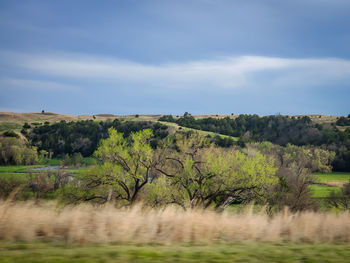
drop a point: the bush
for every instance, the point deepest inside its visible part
(10, 134)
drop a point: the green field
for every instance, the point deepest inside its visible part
(238, 252)
(18, 168)
(24, 170)
(323, 190)
(333, 177)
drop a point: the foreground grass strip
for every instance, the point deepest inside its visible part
(236, 252)
(88, 224)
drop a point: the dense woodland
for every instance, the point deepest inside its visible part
(279, 130)
(83, 136)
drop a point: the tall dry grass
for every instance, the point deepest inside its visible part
(27, 221)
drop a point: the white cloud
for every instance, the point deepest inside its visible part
(36, 85)
(233, 73)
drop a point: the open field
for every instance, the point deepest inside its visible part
(230, 252)
(323, 191)
(340, 177)
(329, 182)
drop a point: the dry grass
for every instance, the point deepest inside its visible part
(27, 221)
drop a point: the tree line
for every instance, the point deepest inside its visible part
(278, 129)
(82, 137)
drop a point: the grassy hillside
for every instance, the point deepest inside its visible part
(15, 121)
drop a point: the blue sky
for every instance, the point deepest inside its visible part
(168, 57)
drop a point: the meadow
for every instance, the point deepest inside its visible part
(328, 182)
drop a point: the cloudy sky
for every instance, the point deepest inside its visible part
(168, 57)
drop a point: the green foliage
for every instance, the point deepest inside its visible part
(83, 136)
(340, 199)
(343, 121)
(281, 130)
(15, 151)
(312, 158)
(75, 159)
(26, 125)
(124, 168)
(208, 176)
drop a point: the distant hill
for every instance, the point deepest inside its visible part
(53, 117)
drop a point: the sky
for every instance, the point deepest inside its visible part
(174, 56)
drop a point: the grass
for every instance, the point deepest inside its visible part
(333, 177)
(323, 191)
(87, 161)
(7, 126)
(27, 221)
(328, 182)
(18, 168)
(204, 133)
(230, 252)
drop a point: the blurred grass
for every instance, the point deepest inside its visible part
(237, 252)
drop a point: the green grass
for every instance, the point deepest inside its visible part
(7, 126)
(333, 177)
(322, 191)
(12, 169)
(238, 252)
(18, 168)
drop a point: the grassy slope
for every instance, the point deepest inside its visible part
(204, 133)
(15, 121)
(238, 252)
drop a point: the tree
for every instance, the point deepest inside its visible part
(124, 169)
(340, 199)
(209, 176)
(15, 151)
